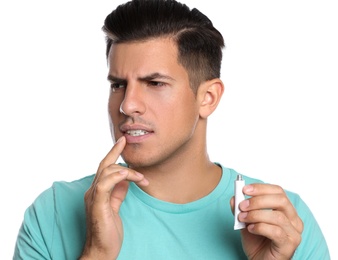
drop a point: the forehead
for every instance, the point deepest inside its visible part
(155, 54)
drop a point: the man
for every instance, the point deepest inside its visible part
(168, 200)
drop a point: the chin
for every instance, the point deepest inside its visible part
(136, 162)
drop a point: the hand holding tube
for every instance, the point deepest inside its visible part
(273, 227)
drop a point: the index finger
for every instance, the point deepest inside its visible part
(113, 154)
(255, 189)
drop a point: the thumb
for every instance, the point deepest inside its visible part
(118, 195)
(232, 204)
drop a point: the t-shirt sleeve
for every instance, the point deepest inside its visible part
(313, 244)
(33, 242)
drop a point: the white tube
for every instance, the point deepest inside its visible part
(239, 196)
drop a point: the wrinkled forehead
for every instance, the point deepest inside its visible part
(144, 57)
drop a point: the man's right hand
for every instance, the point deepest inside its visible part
(103, 200)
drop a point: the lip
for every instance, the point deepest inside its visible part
(135, 139)
(126, 127)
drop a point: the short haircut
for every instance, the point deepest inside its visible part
(199, 43)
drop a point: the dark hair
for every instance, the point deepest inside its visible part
(199, 43)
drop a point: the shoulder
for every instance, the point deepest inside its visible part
(61, 194)
(75, 187)
(230, 174)
(54, 224)
(61, 203)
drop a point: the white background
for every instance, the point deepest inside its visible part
(277, 120)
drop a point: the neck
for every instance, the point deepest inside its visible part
(183, 182)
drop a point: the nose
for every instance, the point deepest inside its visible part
(133, 101)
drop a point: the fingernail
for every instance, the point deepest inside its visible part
(123, 172)
(144, 182)
(251, 227)
(119, 140)
(248, 188)
(243, 215)
(139, 174)
(244, 204)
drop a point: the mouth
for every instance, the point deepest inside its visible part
(136, 132)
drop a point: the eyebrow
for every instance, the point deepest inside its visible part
(155, 75)
(112, 78)
(149, 77)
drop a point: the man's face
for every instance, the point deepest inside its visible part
(151, 102)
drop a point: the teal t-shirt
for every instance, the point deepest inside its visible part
(54, 226)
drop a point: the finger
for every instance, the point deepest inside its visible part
(118, 195)
(262, 189)
(106, 184)
(232, 204)
(285, 239)
(271, 201)
(276, 202)
(267, 196)
(113, 154)
(271, 217)
(109, 177)
(111, 157)
(272, 224)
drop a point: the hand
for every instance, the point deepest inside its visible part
(103, 200)
(273, 226)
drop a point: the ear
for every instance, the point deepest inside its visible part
(209, 94)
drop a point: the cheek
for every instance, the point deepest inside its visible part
(178, 115)
(114, 104)
(114, 114)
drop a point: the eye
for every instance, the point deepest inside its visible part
(116, 86)
(156, 84)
